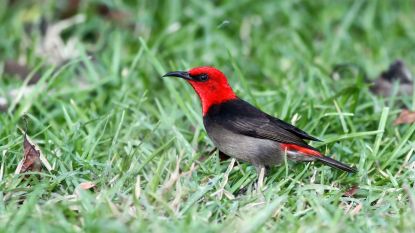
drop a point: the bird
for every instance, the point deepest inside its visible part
(242, 131)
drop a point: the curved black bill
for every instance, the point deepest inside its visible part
(179, 74)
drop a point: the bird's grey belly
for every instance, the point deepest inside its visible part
(254, 150)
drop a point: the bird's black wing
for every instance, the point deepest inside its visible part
(293, 129)
(243, 118)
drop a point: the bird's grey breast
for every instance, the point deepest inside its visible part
(254, 150)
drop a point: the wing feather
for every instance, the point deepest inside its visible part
(243, 118)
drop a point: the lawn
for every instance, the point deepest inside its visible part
(127, 149)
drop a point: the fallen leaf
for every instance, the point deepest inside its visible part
(31, 158)
(397, 71)
(405, 117)
(86, 185)
(351, 191)
(384, 85)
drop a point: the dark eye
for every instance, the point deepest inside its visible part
(203, 77)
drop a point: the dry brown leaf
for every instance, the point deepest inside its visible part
(397, 72)
(405, 117)
(31, 158)
(86, 185)
(351, 191)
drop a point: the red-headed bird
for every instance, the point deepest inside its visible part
(241, 131)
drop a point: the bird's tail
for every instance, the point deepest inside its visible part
(336, 164)
(308, 153)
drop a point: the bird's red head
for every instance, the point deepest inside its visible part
(209, 83)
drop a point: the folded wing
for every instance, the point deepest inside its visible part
(243, 118)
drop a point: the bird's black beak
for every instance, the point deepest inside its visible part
(179, 74)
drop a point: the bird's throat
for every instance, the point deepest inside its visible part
(213, 94)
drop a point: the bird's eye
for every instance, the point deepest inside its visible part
(203, 77)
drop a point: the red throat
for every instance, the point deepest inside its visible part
(215, 90)
(212, 94)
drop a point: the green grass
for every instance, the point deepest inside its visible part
(112, 120)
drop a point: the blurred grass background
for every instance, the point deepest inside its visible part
(101, 113)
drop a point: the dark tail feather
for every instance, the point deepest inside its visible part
(336, 164)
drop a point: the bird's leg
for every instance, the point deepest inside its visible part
(261, 170)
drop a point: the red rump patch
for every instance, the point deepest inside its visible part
(306, 151)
